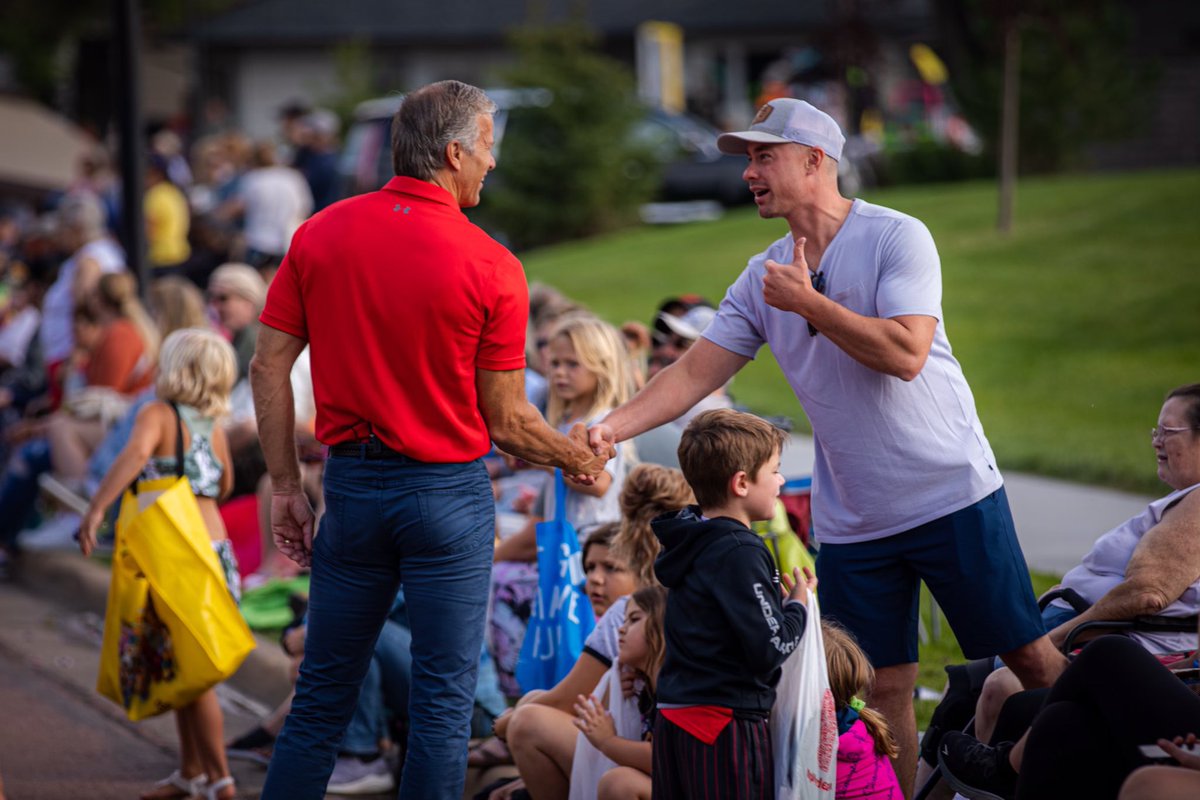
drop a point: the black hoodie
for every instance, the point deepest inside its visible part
(726, 633)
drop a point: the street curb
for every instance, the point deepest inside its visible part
(80, 584)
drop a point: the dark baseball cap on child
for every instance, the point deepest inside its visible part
(787, 120)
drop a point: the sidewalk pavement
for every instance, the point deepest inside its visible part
(1057, 521)
(81, 584)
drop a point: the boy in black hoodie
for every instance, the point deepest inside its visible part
(727, 634)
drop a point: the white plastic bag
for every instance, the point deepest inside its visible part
(803, 721)
(589, 763)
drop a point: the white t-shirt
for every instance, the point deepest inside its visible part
(58, 307)
(602, 641)
(277, 200)
(890, 454)
(18, 333)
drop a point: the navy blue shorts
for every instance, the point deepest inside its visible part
(971, 562)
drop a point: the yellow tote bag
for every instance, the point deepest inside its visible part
(172, 630)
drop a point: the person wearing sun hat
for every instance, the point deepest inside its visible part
(905, 485)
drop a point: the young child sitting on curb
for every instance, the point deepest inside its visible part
(726, 633)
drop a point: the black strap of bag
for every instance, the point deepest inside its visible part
(178, 447)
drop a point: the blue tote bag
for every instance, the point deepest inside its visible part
(562, 616)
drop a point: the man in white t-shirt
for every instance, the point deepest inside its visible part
(274, 200)
(905, 486)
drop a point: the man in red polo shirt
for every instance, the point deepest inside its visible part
(416, 322)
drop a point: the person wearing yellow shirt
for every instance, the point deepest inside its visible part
(167, 220)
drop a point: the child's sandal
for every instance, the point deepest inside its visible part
(185, 787)
(212, 791)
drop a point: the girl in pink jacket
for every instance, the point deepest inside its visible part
(865, 745)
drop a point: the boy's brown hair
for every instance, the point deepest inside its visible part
(718, 444)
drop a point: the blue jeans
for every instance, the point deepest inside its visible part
(19, 489)
(386, 688)
(389, 521)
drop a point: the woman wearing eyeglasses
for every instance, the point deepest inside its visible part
(1148, 565)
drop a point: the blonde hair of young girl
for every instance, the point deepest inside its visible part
(650, 491)
(600, 351)
(652, 600)
(118, 291)
(197, 368)
(851, 676)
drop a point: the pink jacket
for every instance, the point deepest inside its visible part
(863, 774)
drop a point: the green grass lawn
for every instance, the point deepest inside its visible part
(1070, 330)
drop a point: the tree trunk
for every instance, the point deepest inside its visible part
(1009, 124)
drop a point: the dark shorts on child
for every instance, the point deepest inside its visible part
(971, 562)
(739, 765)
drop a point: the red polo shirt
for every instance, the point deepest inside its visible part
(401, 298)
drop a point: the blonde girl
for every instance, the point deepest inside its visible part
(642, 647)
(196, 371)
(865, 745)
(589, 373)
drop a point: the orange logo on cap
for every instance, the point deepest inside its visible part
(763, 113)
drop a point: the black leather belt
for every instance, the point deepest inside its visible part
(372, 449)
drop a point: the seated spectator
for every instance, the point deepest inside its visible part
(82, 233)
(683, 332)
(1085, 740)
(865, 745)
(541, 730)
(612, 763)
(1161, 782)
(1149, 564)
(118, 366)
(237, 294)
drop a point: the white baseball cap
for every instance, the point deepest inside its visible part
(692, 323)
(787, 120)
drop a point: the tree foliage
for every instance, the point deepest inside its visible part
(568, 169)
(1079, 80)
(33, 32)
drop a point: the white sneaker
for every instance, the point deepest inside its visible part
(56, 533)
(352, 775)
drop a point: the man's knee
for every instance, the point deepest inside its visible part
(1036, 664)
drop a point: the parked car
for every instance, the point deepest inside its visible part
(693, 167)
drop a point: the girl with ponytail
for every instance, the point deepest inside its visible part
(865, 745)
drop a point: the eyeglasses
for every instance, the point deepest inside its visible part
(1161, 432)
(818, 283)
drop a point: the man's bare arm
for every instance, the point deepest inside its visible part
(703, 369)
(274, 404)
(292, 516)
(519, 430)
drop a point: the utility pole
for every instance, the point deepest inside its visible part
(1010, 128)
(127, 33)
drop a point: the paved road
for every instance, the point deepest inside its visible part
(1057, 521)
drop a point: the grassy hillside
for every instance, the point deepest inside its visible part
(1070, 330)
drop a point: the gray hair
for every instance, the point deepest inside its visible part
(83, 214)
(431, 118)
